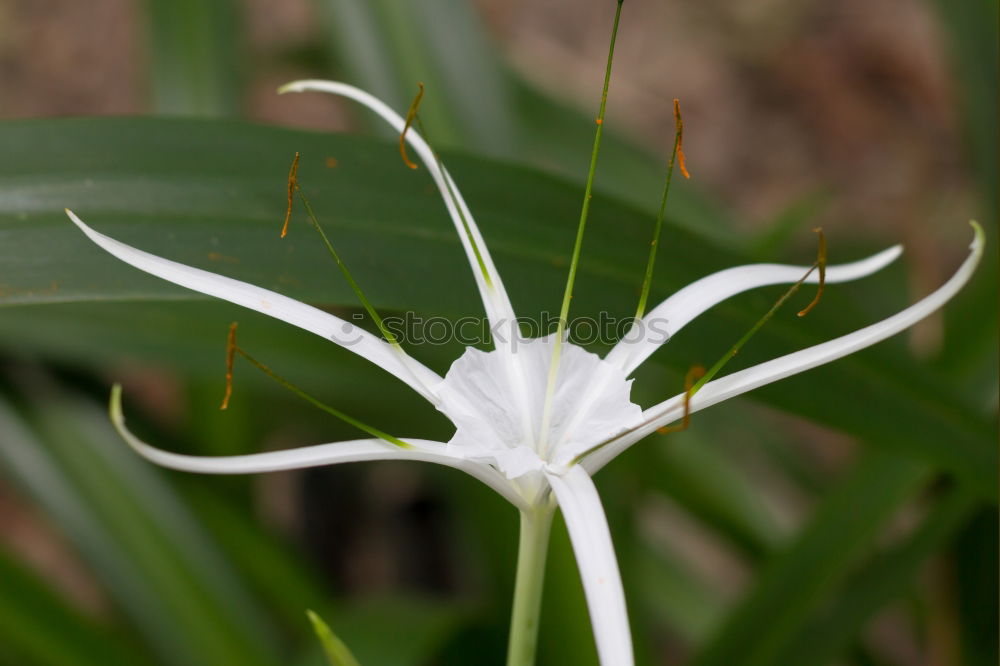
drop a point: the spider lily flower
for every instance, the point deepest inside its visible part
(495, 398)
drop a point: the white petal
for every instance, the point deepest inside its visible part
(491, 289)
(595, 557)
(670, 316)
(742, 381)
(358, 450)
(323, 324)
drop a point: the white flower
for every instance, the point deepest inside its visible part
(495, 399)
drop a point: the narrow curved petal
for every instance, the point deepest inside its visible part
(670, 316)
(742, 381)
(595, 557)
(391, 359)
(358, 450)
(491, 289)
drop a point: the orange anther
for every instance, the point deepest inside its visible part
(821, 265)
(230, 356)
(293, 184)
(410, 115)
(679, 124)
(694, 374)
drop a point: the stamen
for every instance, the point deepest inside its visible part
(574, 262)
(293, 184)
(410, 115)
(232, 349)
(230, 356)
(695, 373)
(679, 124)
(293, 189)
(390, 338)
(714, 370)
(821, 264)
(676, 155)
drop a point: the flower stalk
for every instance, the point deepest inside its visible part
(525, 615)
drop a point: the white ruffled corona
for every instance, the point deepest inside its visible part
(495, 399)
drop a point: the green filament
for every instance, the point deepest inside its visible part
(390, 338)
(655, 244)
(574, 262)
(233, 349)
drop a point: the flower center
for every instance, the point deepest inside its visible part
(496, 400)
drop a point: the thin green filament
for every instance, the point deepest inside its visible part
(655, 244)
(581, 228)
(374, 432)
(410, 115)
(390, 338)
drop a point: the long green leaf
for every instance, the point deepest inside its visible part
(336, 652)
(695, 471)
(794, 582)
(387, 47)
(212, 194)
(882, 581)
(194, 56)
(39, 627)
(143, 545)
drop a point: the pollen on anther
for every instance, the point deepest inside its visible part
(695, 373)
(411, 114)
(230, 357)
(679, 123)
(821, 265)
(293, 184)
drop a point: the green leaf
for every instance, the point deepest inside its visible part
(890, 575)
(194, 56)
(696, 473)
(280, 575)
(795, 581)
(144, 546)
(336, 652)
(39, 627)
(387, 47)
(674, 596)
(397, 631)
(212, 194)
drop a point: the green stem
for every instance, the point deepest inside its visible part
(524, 619)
